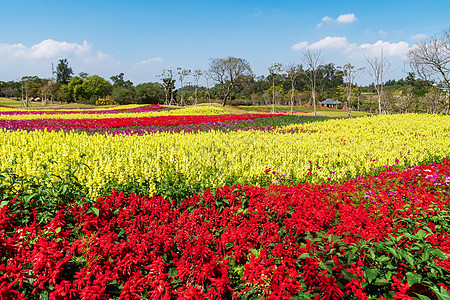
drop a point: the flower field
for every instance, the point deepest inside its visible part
(143, 202)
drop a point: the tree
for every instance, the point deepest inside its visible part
(274, 69)
(150, 92)
(431, 59)
(227, 71)
(196, 74)
(123, 95)
(182, 75)
(350, 73)
(31, 85)
(47, 90)
(312, 60)
(83, 75)
(76, 89)
(293, 71)
(118, 80)
(63, 94)
(378, 68)
(123, 91)
(169, 85)
(96, 87)
(63, 72)
(207, 75)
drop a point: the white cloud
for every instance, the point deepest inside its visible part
(299, 46)
(347, 18)
(354, 50)
(17, 60)
(330, 42)
(47, 49)
(389, 49)
(149, 61)
(327, 19)
(381, 32)
(419, 37)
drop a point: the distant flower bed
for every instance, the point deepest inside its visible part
(125, 111)
(68, 124)
(151, 107)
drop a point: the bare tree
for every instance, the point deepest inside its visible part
(431, 59)
(274, 69)
(293, 71)
(378, 69)
(169, 86)
(227, 72)
(196, 74)
(350, 73)
(207, 75)
(182, 75)
(312, 61)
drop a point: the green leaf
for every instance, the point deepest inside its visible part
(421, 234)
(413, 278)
(381, 281)
(423, 297)
(382, 259)
(347, 275)
(43, 295)
(327, 267)
(305, 255)
(96, 211)
(370, 274)
(441, 293)
(393, 252)
(439, 253)
(64, 189)
(256, 252)
(58, 230)
(407, 256)
(4, 203)
(425, 255)
(173, 272)
(372, 254)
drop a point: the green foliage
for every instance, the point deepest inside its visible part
(123, 95)
(150, 93)
(96, 87)
(47, 193)
(63, 72)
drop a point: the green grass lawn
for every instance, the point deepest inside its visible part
(17, 103)
(303, 110)
(299, 110)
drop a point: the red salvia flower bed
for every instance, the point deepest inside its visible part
(357, 239)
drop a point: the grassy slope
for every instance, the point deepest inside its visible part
(300, 110)
(18, 104)
(303, 110)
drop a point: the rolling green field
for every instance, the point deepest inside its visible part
(304, 110)
(18, 103)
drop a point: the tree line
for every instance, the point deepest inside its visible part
(231, 80)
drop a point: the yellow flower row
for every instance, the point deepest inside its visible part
(187, 111)
(333, 149)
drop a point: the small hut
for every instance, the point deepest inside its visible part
(331, 103)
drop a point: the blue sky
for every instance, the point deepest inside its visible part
(142, 38)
